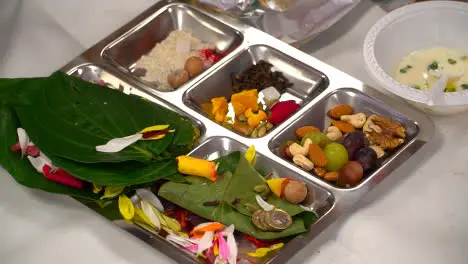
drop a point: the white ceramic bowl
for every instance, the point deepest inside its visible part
(414, 27)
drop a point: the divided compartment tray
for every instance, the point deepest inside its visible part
(307, 81)
(316, 116)
(125, 51)
(317, 87)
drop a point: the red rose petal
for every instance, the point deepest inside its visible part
(62, 177)
(16, 147)
(32, 151)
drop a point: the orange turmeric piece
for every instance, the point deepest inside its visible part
(244, 100)
(197, 167)
(219, 108)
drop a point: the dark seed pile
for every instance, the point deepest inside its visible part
(259, 76)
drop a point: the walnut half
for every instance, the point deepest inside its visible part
(385, 132)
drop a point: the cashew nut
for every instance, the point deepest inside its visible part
(334, 133)
(356, 120)
(379, 150)
(296, 149)
(369, 126)
(303, 162)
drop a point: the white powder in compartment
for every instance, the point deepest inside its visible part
(164, 58)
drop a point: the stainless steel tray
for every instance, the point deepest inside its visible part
(317, 86)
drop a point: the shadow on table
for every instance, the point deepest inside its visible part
(339, 29)
(395, 179)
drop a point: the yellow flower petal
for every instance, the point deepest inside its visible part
(250, 155)
(126, 208)
(112, 191)
(141, 218)
(154, 128)
(261, 252)
(97, 188)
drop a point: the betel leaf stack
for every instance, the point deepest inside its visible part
(66, 118)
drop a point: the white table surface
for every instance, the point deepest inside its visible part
(417, 215)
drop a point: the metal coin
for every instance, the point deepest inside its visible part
(258, 220)
(278, 219)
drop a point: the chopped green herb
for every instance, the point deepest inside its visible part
(433, 66)
(464, 58)
(451, 61)
(464, 86)
(405, 69)
(450, 90)
(416, 86)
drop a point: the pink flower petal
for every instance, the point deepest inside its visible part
(223, 247)
(32, 151)
(193, 248)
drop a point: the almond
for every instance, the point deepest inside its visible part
(331, 176)
(302, 131)
(339, 111)
(344, 127)
(317, 156)
(320, 171)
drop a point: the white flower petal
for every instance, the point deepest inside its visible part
(181, 241)
(117, 144)
(23, 139)
(148, 209)
(231, 242)
(48, 161)
(38, 163)
(206, 242)
(150, 197)
(265, 206)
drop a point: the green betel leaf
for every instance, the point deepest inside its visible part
(230, 187)
(118, 174)
(70, 117)
(20, 168)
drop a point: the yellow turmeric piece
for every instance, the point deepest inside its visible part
(219, 108)
(244, 100)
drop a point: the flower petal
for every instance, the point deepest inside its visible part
(154, 128)
(39, 162)
(261, 252)
(265, 206)
(205, 227)
(250, 155)
(180, 241)
(148, 209)
(97, 188)
(206, 242)
(149, 196)
(118, 144)
(62, 177)
(112, 191)
(23, 139)
(126, 207)
(223, 247)
(231, 242)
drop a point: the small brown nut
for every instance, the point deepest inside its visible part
(194, 66)
(340, 110)
(331, 176)
(317, 156)
(343, 126)
(178, 78)
(302, 131)
(295, 192)
(320, 171)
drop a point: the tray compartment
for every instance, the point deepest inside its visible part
(94, 74)
(308, 82)
(126, 50)
(317, 116)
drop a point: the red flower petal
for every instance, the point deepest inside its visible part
(32, 151)
(155, 133)
(282, 110)
(16, 147)
(62, 177)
